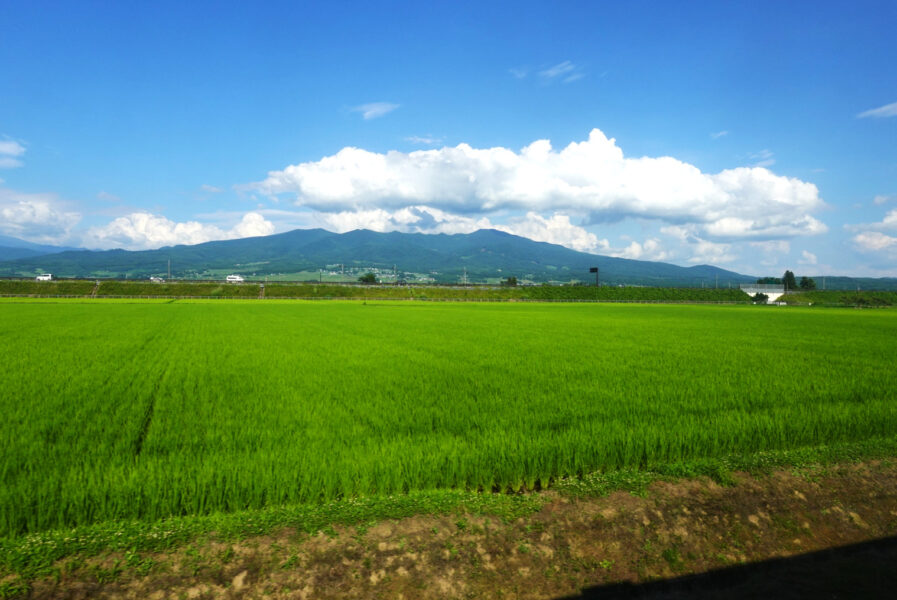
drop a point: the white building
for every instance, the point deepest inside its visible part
(772, 290)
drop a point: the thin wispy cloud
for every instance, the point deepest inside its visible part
(888, 110)
(210, 189)
(717, 135)
(10, 150)
(519, 72)
(882, 199)
(764, 158)
(107, 197)
(425, 140)
(374, 110)
(566, 72)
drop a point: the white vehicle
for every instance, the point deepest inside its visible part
(157, 280)
(44, 277)
(234, 279)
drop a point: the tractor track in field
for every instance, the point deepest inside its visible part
(150, 408)
(144, 426)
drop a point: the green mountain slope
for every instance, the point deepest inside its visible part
(483, 254)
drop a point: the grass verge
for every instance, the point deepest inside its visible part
(36, 555)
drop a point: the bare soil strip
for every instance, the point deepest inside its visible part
(688, 538)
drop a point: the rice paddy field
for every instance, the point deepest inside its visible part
(145, 409)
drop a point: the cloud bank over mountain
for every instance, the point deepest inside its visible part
(591, 181)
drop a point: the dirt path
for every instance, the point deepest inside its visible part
(685, 539)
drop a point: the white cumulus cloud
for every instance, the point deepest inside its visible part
(40, 218)
(874, 238)
(807, 258)
(875, 241)
(712, 253)
(143, 230)
(704, 251)
(411, 219)
(555, 229)
(592, 179)
(650, 249)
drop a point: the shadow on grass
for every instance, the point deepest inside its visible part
(866, 570)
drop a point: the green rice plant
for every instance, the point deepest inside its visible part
(144, 288)
(146, 410)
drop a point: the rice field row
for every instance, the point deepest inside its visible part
(117, 410)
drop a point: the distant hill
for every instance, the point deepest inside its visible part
(828, 282)
(8, 253)
(13, 248)
(484, 254)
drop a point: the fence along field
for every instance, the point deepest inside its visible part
(144, 410)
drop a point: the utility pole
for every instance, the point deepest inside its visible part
(597, 273)
(169, 267)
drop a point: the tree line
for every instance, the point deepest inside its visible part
(789, 281)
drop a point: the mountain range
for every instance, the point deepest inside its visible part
(13, 248)
(483, 255)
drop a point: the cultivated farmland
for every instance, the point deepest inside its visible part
(117, 410)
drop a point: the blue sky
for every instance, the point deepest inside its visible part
(757, 136)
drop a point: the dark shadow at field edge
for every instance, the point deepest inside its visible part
(866, 570)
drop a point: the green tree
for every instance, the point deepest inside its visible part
(807, 283)
(368, 278)
(789, 281)
(760, 298)
(772, 280)
(511, 281)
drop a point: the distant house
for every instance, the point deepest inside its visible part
(234, 279)
(44, 277)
